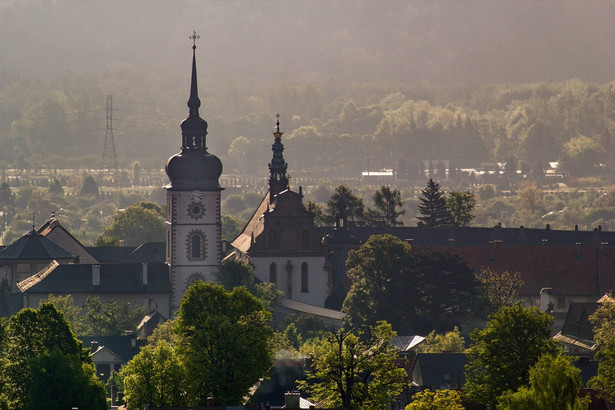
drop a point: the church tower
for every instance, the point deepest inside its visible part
(193, 202)
(278, 181)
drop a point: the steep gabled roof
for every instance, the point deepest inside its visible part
(577, 324)
(54, 231)
(121, 346)
(34, 246)
(253, 228)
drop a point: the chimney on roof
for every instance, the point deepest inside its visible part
(144, 264)
(546, 299)
(545, 242)
(95, 275)
(548, 227)
(210, 401)
(576, 228)
(291, 399)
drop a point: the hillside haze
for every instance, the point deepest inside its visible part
(399, 42)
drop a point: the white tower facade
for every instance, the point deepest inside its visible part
(193, 204)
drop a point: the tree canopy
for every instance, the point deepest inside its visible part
(433, 208)
(344, 205)
(413, 291)
(604, 335)
(388, 203)
(135, 225)
(223, 342)
(355, 370)
(45, 366)
(460, 205)
(503, 353)
(554, 385)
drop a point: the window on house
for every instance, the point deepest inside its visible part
(273, 273)
(304, 277)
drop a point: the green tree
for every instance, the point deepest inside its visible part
(529, 196)
(387, 202)
(7, 197)
(55, 187)
(460, 206)
(433, 288)
(502, 354)
(355, 371)
(72, 313)
(223, 342)
(155, 377)
(135, 225)
(136, 174)
(604, 335)
(581, 156)
(381, 271)
(231, 227)
(449, 342)
(42, 355)
(433, 208)
(89, 186)
(316, 209)
(233, 273)
(498, 289)
(59, 381)
(436, 400)
(554, 385)
(344, 205)
(111, 318)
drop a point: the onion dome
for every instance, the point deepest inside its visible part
(194, 168)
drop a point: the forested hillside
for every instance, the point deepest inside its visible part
(60, 123)
(359, 84)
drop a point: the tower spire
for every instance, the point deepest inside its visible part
(194, 103)
(278, 180)
(194, 128)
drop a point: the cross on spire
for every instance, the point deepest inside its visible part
(194, 37)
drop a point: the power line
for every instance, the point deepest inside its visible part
(109, 156)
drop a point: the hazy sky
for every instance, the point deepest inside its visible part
(398, 42)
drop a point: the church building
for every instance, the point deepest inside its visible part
(280, 240)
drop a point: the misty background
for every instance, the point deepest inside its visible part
(306, 60)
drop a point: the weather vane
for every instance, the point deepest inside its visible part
(194, 37)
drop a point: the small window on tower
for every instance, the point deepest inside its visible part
(196, 246)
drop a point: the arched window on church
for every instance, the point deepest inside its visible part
(304, 277)
(196, 246)
(305, 238)
(273, 273)
(195, 251)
